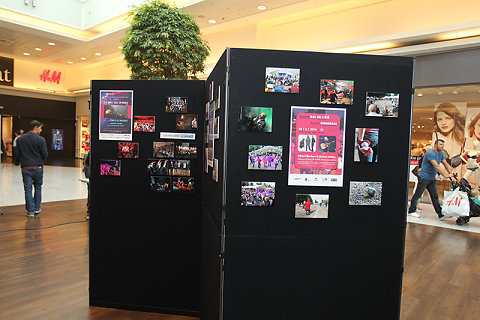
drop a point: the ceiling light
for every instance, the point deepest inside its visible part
(364, 48)
(419, 94)
(261, 7)
(461, 34)
(83, 58)
(439, 92)
(119, 47)
(455, 91)
(51, 44)
(38, 49)
(26, 54)
(98, 54)
(212, 21)
(70, 62)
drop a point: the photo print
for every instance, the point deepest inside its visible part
(382, 104)
(110, 167)
(180, 167)
(257, 194)
(283, 80)
(216, 123)
(217, 100)
(311, 206)
(364, 193)
(262, 157)
(163, 149)
(316, 146)
(128, 150)
(366, 145)
(215, 170)
(158, 167)
(185, 150)
(186, 185)
(144, 123)
(336, 91)
(186, 122)
(210, 91)
(176, 105)
(255, 119)
(160, 184)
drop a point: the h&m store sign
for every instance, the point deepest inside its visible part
(6, 72)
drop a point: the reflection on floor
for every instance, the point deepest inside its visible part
(429, 217)
(59, 183)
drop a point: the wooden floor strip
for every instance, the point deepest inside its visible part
(44, 270)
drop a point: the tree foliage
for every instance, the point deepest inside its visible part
(163, 42)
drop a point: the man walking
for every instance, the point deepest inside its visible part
(426, 178)
(31, 152)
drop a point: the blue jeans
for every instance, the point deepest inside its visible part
(32, 177)
(431, 186)
(371, 136)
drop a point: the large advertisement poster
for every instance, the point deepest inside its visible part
(116, 115)
(316, 146)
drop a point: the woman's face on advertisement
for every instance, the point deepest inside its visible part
(477, 130)
(444, 122)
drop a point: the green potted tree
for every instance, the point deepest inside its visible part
(163, 42)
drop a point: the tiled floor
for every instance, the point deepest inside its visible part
(59, 183)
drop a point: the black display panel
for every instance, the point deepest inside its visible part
(145, 244)
(343, 266)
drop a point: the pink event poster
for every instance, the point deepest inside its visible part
(316, 146)
(116, 115)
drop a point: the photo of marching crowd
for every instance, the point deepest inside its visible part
(144, 123)
(176, 105)
(262, 157)
(128, 150)
(185, 150)
(160, 184)
(110, 167)
(336, 91)
(382, 104)
(163, 149)
(183, 185)
(257, 194)
(283, 80)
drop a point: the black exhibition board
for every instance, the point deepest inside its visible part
(212, 197)
(346, 266)
(145, 245)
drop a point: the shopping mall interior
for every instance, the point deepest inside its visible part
(51, 50)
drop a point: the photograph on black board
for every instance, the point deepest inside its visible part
(185, 185)
(158, 167)
(255, 119)
(57, 139)
(365, 193)
(144, 123)
(262, 157)
(311, 206)
(185, 150)
(366, 145)
(215, 170)
(180, 167)
(382, 104)
(336, 91)
(110, 167)
(176, 105)
(163, 149)
(186, 122)
(160, 184)
(216, 129)
(257, 194)
(128, 150)
(283, 80)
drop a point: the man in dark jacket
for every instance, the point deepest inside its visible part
(31, 152)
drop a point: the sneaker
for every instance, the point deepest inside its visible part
(414, 214)
(38, 211)
(418, 211)
(30, 214)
